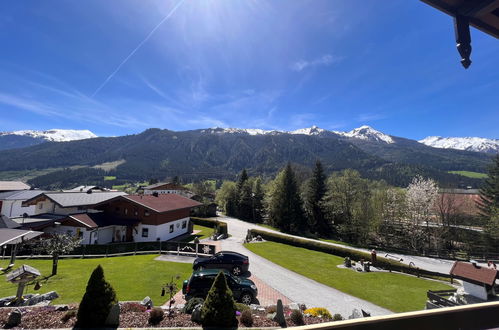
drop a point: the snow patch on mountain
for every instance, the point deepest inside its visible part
(55, 135)
(462, 143)
(363, 132)
(367, 133)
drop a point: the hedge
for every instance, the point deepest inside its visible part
(381, 262)
(222, 226)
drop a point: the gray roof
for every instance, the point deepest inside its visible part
(13, 185)
(24, 269)
(68, 199)
(13, 236)
(83, 189)
(5, 222)
(20, 195)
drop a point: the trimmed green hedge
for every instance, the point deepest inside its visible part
(222, 226)
(381, 262)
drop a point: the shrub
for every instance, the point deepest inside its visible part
(133, 307)
(337, 317)
(297, 317)
(97, 301)
(68, 315)
(246, 318)
(319, 312)
(271, 309)
(219, 307)
(193, 302)
(156, 316)
(242, 307)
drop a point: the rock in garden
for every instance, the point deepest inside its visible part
(196, 314)
(355, 315)
(113, 318)
(61, 307)
(5, 301)
(14, 318)
(147, 301)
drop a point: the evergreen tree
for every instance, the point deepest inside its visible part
(226, 197)
(245, 202)
(314, 193)
(489, 192)
(97, 301)
(219, 309)
(243, 178)
(285, 207)
(176, 180)
(258, 196)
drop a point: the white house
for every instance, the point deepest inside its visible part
(11, 202)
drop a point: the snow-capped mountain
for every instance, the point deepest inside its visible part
(367, 133)
(54, 135)
(462, 143)
(364, 132)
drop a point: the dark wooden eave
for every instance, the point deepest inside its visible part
(481, 14)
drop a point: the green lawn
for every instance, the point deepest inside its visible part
(109, 178)
(396, 292)
(469, 174)
(132, 277)
(204, 233)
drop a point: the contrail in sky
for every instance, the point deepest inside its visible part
(138, 47)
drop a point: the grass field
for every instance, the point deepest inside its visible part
(132, 277)
(109, 178)
(396, 292)
(469, 174)
(204, 233)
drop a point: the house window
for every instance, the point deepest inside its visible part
(135, 212)
(126, 211)
(145, 232)
(171, 228)
(184, 224)
(146, 213)
(40, 206)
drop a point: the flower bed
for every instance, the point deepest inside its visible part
(131, 317)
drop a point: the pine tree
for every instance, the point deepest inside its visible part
(243, 178)
(285, 207)
(219, 309)
(314, 194)
(258, 196)
(245, 202)
(489, 192)
(97, 301)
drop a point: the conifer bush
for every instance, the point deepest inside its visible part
(219, 310)
(246, 318)
(156, 316)
(97, 301)
(297, 317)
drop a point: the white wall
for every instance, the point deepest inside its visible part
(161, 231)
(167, 191)
(14, 208)
(475, 290)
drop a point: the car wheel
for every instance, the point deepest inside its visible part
(246, 298)
(236, 270)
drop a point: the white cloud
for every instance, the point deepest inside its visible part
(324, 60)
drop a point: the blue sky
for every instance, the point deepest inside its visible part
(111, 67)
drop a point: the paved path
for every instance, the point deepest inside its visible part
(292, 285)
(238, 228)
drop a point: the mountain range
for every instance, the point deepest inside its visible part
(26, 138)
(221, 153)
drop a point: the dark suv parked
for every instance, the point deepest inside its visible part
(244, 290)
(234, 262)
